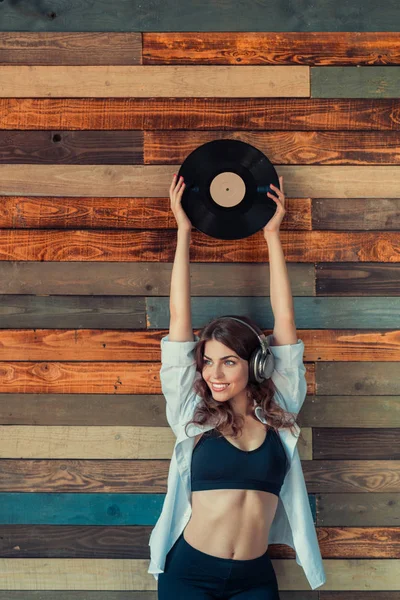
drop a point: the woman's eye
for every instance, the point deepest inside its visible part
(227, 361)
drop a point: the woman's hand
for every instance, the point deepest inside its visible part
(274, 223)
(175, 193)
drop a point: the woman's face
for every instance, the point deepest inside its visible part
(221, 365)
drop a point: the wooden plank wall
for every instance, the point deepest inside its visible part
(92, 126)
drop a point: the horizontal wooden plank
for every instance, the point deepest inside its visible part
(149, 410)
(357, 510)
(107, 312)
(317, 181)
(47, 212)
(270, 48)
(71, 147)
(321, 345)
(311, 313)
(281, 147)
(144, 278)
(130, 541)
(168, 16)
(24, 441)
(348, 443)
(263, 114)
(131, 574)
(364, 214)
(352, 476)
(160, 246)
(354, 82)
(71, 48)
(357, 379)
(148, 81)
(367, 411)
(88, 378)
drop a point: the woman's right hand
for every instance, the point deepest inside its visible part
(175, 194)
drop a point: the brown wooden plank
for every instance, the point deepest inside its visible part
(356, 509)
(88, 377)
(70, 48)
(350, 443)
(149, 410)
(285, 114)
(46, 212)
(152, 81)
(159, 246)
(283, 148)
(332, 279)
(321, 345)
(356, 213)
(318, 181)
(352, 476)
(151, 476)
(71, 147)
(127, 541)
(272, 48)
(144, 278)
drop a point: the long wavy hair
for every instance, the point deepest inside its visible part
(243, 341)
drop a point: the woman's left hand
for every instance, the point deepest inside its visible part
(275, 222)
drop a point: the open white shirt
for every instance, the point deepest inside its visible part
(293, 523)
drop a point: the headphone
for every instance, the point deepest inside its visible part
(261, 363)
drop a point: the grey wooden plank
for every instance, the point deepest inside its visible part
(142, 410)
(355, 82)
(199, 15)
(356, 214)
(358, 509)
(366, 411)
(143, 278)
(357, 378)
(65, 312)
(311, 313)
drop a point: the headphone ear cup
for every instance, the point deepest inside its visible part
(261, 366)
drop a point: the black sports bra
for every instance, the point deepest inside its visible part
(218, 464)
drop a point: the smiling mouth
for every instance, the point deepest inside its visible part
(220, 388)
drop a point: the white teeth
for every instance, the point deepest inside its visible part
(219, 387)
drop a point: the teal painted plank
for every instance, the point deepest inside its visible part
(85, 509)
(199, 15)
(355, 82)
(311, 313)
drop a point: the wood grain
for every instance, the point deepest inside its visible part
(326, 48)
(70, 48)
(230, 114)
(141, 81)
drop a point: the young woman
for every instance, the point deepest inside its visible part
(235, 482)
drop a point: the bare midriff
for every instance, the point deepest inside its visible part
(233, 523)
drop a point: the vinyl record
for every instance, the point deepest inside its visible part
(226, 185)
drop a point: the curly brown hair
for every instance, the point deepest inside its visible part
(243, 341)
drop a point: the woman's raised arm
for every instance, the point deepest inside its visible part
(180, 327)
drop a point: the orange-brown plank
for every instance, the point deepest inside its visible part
(283, 147)
(153, 246)
(302, 114)
(46, 212)
(130, 541)
(89, 378)
(70, 48)
(272, 48)
(321, 345)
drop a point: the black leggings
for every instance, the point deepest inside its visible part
(193, 575)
